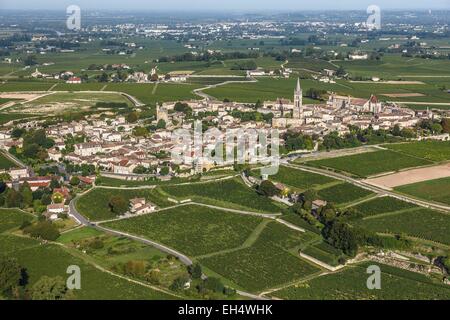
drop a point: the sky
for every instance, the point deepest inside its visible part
(232, 5)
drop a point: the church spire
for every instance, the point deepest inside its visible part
(298, 85)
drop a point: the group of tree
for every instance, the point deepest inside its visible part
(14, 284)
(297, 141)
(35, 145)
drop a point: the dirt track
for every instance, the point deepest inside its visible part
(411, 176)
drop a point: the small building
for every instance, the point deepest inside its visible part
(74, 80)
(141, 206)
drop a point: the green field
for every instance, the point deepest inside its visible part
(382, 205)
(230, 193)
(192, 229)
(5, 163)
(434, 190)
(270, 261)
(52, 260)
(350, 284)
(421, 223)
(12, 218)
(324, 252)
(343, 193)
(430, 150)
(299, 179)
(95, 204)
(370, 163)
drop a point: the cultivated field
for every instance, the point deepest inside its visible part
(350, 284)
(271, 260)
(230, 193)
(11, 218)
(95, 204)
(434, 190)
(343, 193)
(5, 163)
(382, 205)
(421, 223)
(372, 163)
(299, 179)
(192, 229)
(430, 150)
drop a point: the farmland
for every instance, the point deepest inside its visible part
(437, 190)
(382, 205)
(5, 163)
(372, 163)
(270, 261)
(230, 193)
(95, 204)
(421, 223)
(430, 150)
(52, 260)
(343, 193)
(192, 229)
(11, 218)
(350, 284)
(299, 179)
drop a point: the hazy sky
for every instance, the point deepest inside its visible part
(237, 5)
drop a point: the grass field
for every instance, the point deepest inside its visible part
(230, 193)
(192, 229)
(350, 284)
(430, 150)
(372, 163)
(299, 179)
(95, 204)
(434, 190)
(324, 252)
(421, 223)
(270, 261)
(7, 117)
(343, 193)
(12, 218)
(5, 163)
(52, 260)
(382, 205)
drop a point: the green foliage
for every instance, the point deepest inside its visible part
(50, 289)
(118, 205)
(44, 230)
(10, 275)
(268, 189)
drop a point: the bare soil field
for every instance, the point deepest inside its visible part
(403, 95)
(411, 176)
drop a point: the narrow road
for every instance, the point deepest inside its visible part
(200, 92)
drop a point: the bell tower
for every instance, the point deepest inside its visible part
(298, 101)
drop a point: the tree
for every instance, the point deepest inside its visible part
(164, 171)
(161, 124)
(74, 181)
(26, 194)
(47, 288)
(104, 77)
(13, 199)
(178, 283)
(43, 230)
(268, 189)
(436, 128)
(118, 205)
(132, 117)
(10, 274)
(195, 270)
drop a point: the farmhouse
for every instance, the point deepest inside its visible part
(74, 80)
(141, 206)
